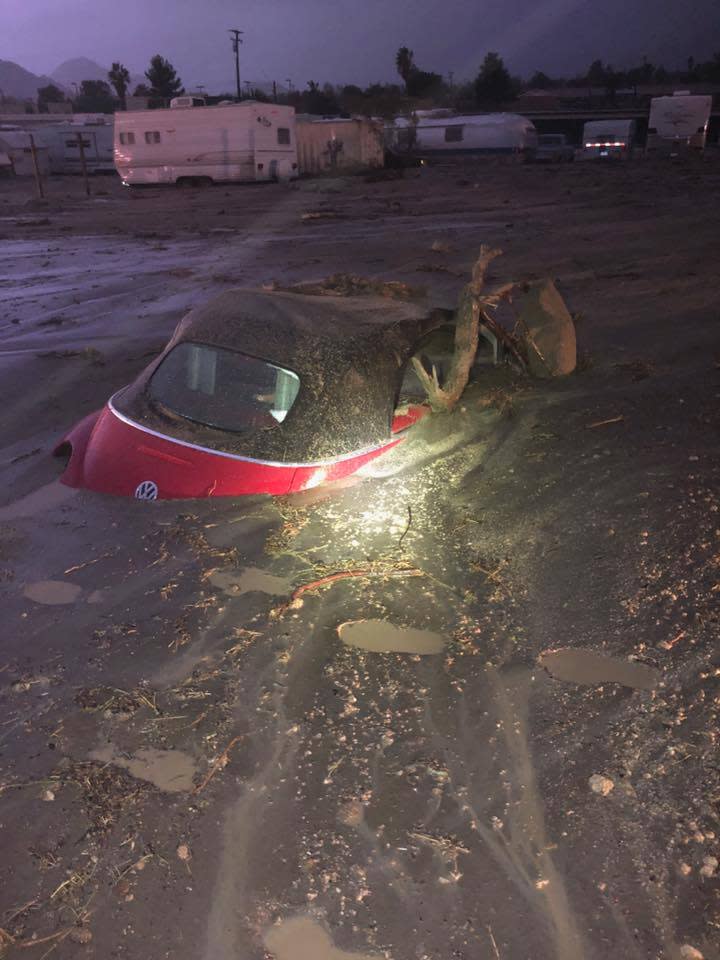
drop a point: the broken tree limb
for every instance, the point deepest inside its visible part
(467, 332)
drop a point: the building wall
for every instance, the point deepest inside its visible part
(343, 145)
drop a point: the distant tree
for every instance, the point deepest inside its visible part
(493, 83)
(661, 75)
(709, 71)
(49, 94)
(405, 63)
(540, 81)
(597, 74)
(95, 97)
(423, 83)
(321, 102)
(143, 90)
(119, 77)
(163, 79)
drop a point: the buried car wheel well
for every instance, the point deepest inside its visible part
(63, 451)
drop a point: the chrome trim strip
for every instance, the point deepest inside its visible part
(235, 456)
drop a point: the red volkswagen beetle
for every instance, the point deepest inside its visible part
(257, 392)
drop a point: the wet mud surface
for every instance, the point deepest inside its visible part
(193, 766)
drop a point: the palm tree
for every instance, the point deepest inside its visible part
(119, 77)
(404, 63)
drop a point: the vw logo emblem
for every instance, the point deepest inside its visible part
(147, 490)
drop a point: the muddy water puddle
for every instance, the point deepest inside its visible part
(302, 938)
(52, 592)
(168, 770)
(379, 636)
(250, 580)
(590, 668)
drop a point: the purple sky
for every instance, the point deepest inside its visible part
(354, 41)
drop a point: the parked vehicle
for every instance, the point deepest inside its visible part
(260, 392)
(607, 140)
(554, 148)
(63, 143)
(192, 143)
(443, 134)
(678, 124)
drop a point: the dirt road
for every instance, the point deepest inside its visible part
(191, 768)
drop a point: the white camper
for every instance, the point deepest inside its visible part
(607, 140)
(15, 144)
(444, 134)
(678, 124)
(63, 143)
(194, 143)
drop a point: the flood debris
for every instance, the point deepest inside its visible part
(547, 330)
(350, 285)
(601, 784)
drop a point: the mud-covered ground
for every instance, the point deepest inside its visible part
(524, 766)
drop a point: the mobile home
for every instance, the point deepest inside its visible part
(607, 140)
(15, 144)
(339, 144)
(443, 134)
(193, 143)
(63, 143)
(678, 124)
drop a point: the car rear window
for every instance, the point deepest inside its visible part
(223, 388)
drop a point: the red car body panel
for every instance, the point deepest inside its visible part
(112, 454)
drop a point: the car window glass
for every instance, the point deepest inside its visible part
(222, 388)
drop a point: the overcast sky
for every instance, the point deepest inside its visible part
(354, 41)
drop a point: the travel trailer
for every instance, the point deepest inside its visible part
(63, 145)
(190, 143)
(15, 145)
(678, 124)
(607, 140)
(444, 134)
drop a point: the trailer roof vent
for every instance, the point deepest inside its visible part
(178, 102)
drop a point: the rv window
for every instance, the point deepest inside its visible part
(283, 135)
(222, 388)
(127, 138)
(453, 134)
(152, 136)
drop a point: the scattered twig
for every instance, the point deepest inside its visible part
(88, 563)
(605, 423)
(342, 575)
(494, 944)
(407, 527)
(219, 764)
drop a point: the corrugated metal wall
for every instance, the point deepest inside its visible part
(343, 145)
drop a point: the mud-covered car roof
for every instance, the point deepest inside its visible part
(348, 352)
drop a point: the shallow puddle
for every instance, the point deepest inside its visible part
(379, 636)
(52, 592)
(49, 497)
(250, 580)
(168, 770)
(301, 938)
(588, 667)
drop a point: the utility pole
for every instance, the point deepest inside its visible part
(236, 41)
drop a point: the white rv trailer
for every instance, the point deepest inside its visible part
(443, 134)
(194, 143)
(607, 140)
(63, 145)
(678, 124)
